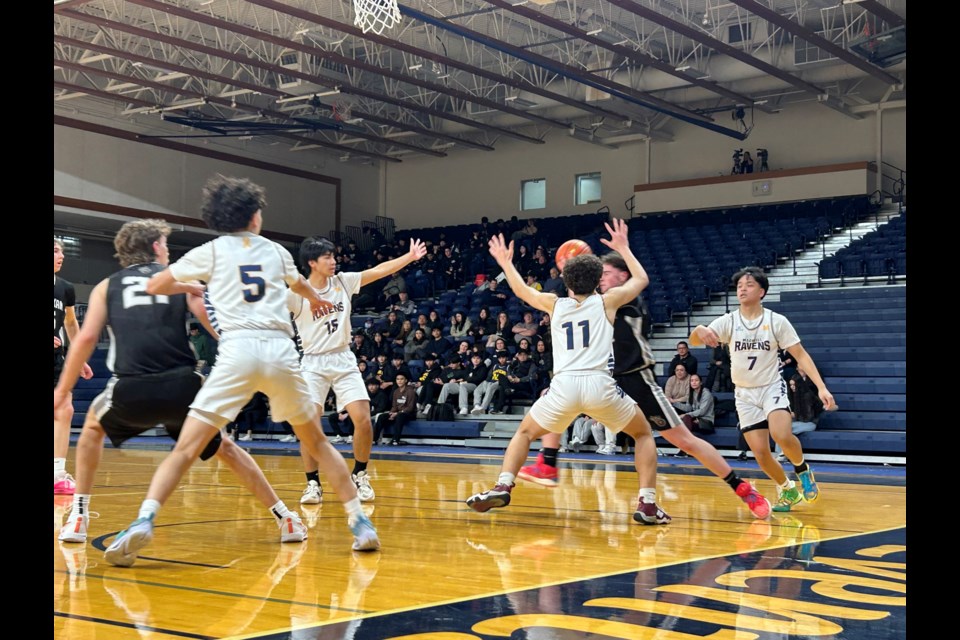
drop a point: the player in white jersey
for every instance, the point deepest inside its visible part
(754, 335)
(246, 279)
(582, 330)
(327, 360)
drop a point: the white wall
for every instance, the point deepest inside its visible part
(106, 169)
(469, 184)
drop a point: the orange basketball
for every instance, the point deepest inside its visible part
(569, 249)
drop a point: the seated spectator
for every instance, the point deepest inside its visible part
(484, 326)
(364, 369)
(415, 343)
(541, 266)
(683, 356)
(422, 324)
(521, 382)
(391, 290)
(525, 329)
(434, 321)
(379, 399)
(438, 344)
(404, 306)
(464, 352)
(501, 330)
(554, 284)
(526, 344)
(698, 409)
(459, 325)
(493, 296)
(543, 358)
(531, 281)
(483, 394)
(677, 388)
(402, 410)
(543, 329)
(378, 369)
(204, 347)
(406, 331)
(360, 348)
(378, 345)
(390, 370)
(805, 405)
(468, 380)
(424, 385)
(392, 330)
(718, 373)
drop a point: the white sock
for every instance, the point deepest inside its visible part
(788, 484)
(59, 466)
(279, 511)
(353, 509)
(506, 478)
(149, 509)
(648, 495)
(81, 504)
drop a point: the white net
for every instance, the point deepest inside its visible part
(376, 15)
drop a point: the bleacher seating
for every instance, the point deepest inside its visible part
(879, 254)
(863, 362)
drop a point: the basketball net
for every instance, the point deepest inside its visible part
(376, 15)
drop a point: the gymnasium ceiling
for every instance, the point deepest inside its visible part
(460, 75)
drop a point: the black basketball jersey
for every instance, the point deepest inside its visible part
(147, 333)
(63, 296)
(631, 351)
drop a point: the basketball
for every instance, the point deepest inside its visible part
(569, 249)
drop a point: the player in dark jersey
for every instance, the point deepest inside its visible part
(64, 320)
(153, 380)
(633, 371)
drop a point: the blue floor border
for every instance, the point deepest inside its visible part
(831, 472)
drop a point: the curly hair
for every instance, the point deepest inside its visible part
(313, 248)
(757, 274)
(228, 204)
(581, 274)
(134, 241)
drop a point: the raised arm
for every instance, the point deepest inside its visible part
(417, 251)
(503, 254)
(627, 292)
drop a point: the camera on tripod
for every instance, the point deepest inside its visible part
(737, 158)
(762, 159)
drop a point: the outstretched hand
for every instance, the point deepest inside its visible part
(618, 236)
(417, 249)
(827, 398)
(500, 251)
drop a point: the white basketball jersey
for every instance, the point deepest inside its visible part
(330, 332)
(753, 346)
(244, 273)
(582, 336)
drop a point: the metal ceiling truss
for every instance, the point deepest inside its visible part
(462, 72)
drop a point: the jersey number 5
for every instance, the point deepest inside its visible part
(256, 286)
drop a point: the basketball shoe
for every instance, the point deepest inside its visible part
(650, 513)
(123, 551)
(495, 498)
(759, 506)
(540, 473)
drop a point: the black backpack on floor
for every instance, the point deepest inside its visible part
(442, 412)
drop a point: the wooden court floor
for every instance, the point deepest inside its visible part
(557, 564)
